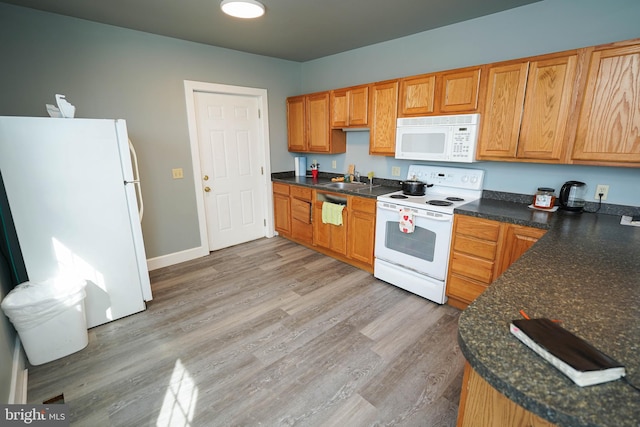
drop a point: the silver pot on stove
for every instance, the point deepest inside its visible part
(413, 187)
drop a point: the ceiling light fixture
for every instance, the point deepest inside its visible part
(242, 8)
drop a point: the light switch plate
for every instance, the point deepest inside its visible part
(177, 173)
(395, 171)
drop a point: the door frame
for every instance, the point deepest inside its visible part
(190, 88)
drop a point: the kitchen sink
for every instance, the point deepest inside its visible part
(353, 186)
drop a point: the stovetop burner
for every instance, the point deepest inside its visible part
(453, 187)
(439, 203)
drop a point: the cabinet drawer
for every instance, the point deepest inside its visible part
(480, 228)
(301, 211)
(480, 248)
(474, 268)
(464, 288)
(362, 204)
(301, 192)
(281, 188)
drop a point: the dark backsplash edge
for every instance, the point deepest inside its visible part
(605, 208)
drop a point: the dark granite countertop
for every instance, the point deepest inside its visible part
(584, 271)
(381, 186)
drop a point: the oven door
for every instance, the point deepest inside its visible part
(425, 250)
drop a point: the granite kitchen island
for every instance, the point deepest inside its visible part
(584, 271)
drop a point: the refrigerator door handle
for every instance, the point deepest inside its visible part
(136, 180)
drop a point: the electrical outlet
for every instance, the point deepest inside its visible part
(395, 171)
(601, 189)
(334, 164)
(177, 173)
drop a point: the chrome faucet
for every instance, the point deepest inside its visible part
(357, 175)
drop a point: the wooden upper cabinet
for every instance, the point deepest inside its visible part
(500, 122)
(527, 110)
(318, 122)
(609, 122)
(459, 91)
(417, 95)
(547, 107)
(446, 92)
(296, 124)
(339, 108)
(350, 107)
(383, 108)
(308, 125)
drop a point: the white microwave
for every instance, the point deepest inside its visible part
(438, 138)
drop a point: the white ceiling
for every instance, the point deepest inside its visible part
(297, 30)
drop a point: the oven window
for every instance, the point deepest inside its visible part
(420, 244)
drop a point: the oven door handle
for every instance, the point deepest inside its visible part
(417, 212)
(437, 217)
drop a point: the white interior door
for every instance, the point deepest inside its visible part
(231, 167)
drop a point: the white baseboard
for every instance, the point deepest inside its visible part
(176, 258)
(186, 255)
(19, 376)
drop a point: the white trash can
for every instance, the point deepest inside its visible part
(49, 317)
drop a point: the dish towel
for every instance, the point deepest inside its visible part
(406, 220)
(332, 213)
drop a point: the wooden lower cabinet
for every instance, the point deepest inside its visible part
(329, 236)
(281, 208)
(298, 216)
(362, 229)
(481, 250)
(301, 213)
(518, 239)
(481, 405)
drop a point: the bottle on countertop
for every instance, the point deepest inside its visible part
(545, 198)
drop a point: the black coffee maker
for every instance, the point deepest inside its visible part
(572, 196)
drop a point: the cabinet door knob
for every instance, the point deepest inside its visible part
(207, 189)
(206, 178)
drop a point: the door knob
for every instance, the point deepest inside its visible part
(206, 178)
(207, 189)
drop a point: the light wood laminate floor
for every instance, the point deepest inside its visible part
(267, 333)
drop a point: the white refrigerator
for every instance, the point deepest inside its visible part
(72, 193)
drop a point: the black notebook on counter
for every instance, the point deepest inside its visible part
(574, 357)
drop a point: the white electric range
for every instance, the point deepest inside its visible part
(413, 233)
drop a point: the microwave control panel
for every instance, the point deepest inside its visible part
(464, 140)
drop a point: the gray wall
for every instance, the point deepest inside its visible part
(543, 27)
(110, 72)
